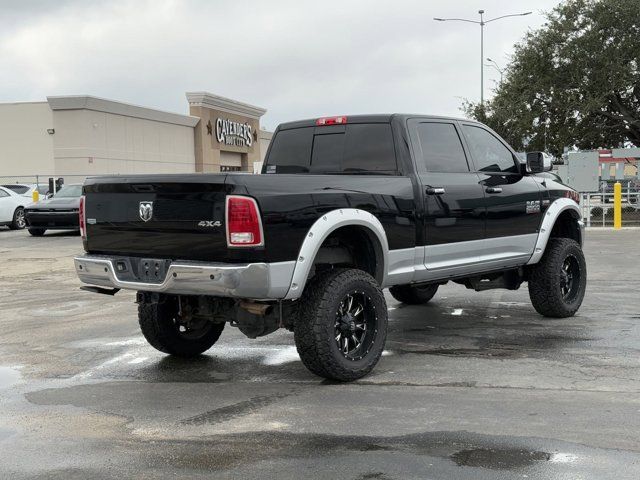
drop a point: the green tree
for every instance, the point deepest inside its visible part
(575, 81)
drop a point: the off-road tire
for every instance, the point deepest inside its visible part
(37, 232)
(18, 222)
(314, 330)
(413, 294)
(545, 279)
(157, 322)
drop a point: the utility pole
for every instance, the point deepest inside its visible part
(481, 12)
(482, 23)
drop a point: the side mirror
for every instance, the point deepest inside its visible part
(538, 162)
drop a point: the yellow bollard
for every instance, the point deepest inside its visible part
(35, 196)
(617, 206)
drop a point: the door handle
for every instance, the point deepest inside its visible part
(435, 191)
(493, 190)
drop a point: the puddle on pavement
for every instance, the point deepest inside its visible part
(512, 346)
(8, 376)
(4, 433)
(462, 352)
(497, 459)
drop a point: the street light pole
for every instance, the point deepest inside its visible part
(481, 12)
(482, 23)
(492, 63)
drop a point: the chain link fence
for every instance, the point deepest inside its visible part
(42, 181)
(597, 209)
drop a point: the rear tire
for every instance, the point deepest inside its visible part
(19, 221)
(160, 326)
(558, 282)
(37, 232)
(341, 325)
(414, 294)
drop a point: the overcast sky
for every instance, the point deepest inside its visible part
(296, 58)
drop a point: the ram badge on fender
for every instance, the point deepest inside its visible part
(346, 206)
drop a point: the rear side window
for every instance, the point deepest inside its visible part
(369, 147)
(441, 148)
(350, 149)
(489, 153)
(19, 189)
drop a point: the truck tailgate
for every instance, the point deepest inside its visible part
(163, 216)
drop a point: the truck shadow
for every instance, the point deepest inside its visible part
(479, 332)
(413, 330)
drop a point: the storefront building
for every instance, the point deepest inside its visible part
(77, 136)
(227, 138)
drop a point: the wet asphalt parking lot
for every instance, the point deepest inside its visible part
(471, 386)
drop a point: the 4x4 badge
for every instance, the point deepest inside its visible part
(210, 223)
(146, 211)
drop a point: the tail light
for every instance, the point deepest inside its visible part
(244, 226)
(82, 221)
(331, 121)
(573, 195)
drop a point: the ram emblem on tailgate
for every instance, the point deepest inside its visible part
(146, 211)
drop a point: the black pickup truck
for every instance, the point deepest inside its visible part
(345, 207)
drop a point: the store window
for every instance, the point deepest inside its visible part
(229, 168)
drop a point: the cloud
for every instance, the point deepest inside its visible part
(296, 58)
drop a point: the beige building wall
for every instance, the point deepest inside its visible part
(265, 140)
(25, 146)
(96, 136)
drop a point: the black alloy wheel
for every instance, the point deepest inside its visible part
(166, 331)
(355, 326)
(341, 324)
(558, 282)
(570, 278)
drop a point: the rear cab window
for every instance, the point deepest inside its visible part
(336, 149)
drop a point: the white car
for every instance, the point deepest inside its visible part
(26, 189)
(12, 209)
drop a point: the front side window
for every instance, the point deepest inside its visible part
(441, 148)
(489, 153)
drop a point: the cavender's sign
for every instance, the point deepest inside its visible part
(233, 133)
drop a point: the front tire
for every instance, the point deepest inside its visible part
(37, 232)
(19, 221)
(160, 325)
(414, 294)
(341, 325)
(558, 282)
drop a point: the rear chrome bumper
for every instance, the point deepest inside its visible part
(249, 280)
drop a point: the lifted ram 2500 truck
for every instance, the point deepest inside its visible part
(345, 207)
